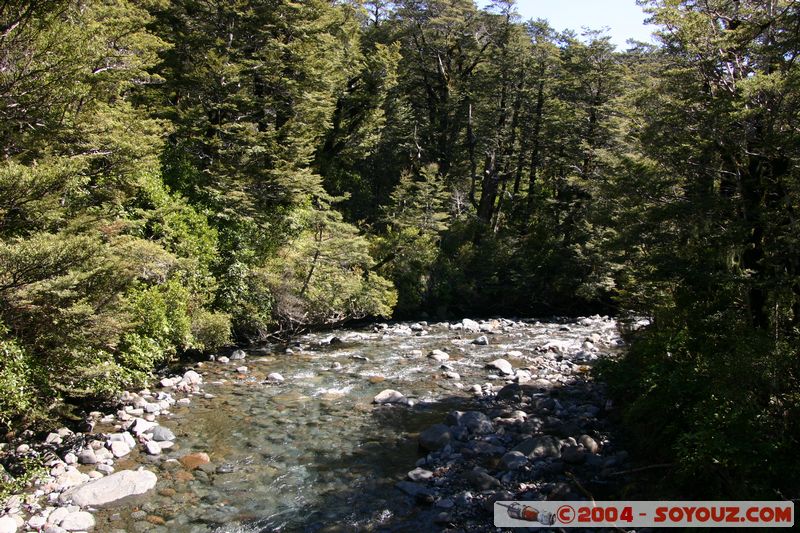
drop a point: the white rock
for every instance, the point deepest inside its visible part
(120, 449)
(8, 525)
(184, 401)
(140, 425)
(111, 488)
(439, 355)
(389, 396)
(124, 437)
(37, 522)
(71, 478)
(61, 513)
(152, 447)
(223, 359)
(242, 370)
(470, 325)
(193, 378)
(167, 383)
(105, 469)
(70, 458)
(238, 355)
(502, 365)
(103, 454)
(80, 521)
(274, 376)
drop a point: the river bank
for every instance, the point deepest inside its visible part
(305, 436)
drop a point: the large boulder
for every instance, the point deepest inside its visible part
(111, 488)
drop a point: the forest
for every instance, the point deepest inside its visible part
(178, 176)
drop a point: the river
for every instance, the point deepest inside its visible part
(313, 453)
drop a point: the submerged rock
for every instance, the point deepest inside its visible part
(194, 460)
(435, 437)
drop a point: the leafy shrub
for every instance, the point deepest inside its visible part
(19, 398)
(211, 330)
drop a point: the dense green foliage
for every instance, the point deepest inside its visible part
(180, 174)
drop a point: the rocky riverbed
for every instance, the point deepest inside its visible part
(392, 427)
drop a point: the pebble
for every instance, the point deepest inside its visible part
(275, 377)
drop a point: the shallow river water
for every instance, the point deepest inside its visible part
(313, 453)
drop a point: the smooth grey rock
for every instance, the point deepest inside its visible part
(160, 434)
(514, 460)
(274, 376)
(238, 355)
(476, 422)
(87, 457)
(435, 437)
(111, 488)
(546, 446)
